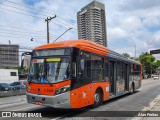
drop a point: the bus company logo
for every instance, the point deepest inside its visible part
(6, 114)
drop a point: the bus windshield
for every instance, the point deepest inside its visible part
(49, 70)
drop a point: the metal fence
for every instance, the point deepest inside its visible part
(12, 93)
(12, 88)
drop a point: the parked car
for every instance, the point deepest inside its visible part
(18, 85)
(155, 77)
(5, 87)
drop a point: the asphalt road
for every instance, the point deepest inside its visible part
(135, 102)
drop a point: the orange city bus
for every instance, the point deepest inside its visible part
(79, 73)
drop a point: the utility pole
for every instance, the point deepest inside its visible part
(62, 34)
(135, 50)
(48, 20)
(9, 42)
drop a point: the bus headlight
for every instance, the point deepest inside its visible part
(62, 89)
(28, 88)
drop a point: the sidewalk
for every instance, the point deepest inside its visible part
(153, 106)
(12, 99)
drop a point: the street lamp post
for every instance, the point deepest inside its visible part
(62, 34)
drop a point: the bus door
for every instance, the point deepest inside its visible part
(112, 76)
(126, 77)
(84, 78)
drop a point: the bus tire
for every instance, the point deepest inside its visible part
(132, 88)
(98, 98)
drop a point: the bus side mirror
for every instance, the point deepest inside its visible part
(22, 58)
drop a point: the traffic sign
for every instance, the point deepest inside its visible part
(155, 51)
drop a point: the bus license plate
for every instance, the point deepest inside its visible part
(39, 103)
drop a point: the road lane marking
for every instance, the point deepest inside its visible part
(26, 108)
(12, 104)
(67, 114)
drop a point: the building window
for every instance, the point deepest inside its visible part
(13, 73)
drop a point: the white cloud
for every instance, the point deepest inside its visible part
(127, 22)
(132, 23)
(116, 33)
(155, 40)
(152, 21)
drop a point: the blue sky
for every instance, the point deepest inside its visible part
(130, 23)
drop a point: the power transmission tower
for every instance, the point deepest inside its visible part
(48, 20)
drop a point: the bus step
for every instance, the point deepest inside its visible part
(111, 96)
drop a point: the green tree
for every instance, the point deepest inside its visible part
(148, 62)
(126, 55)
(158, 63)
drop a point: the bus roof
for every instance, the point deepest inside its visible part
(82, 44)
(118, 56)
(87, 46)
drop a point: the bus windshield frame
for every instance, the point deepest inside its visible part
(49, 70)
(46, 67)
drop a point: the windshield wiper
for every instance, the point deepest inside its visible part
(29, 80)
(49, 82)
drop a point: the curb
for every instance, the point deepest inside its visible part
(152, 105)
(13, 102)
(12, 99)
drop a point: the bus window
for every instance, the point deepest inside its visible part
(74, 62)
(120, 71)
(137, 70)
(106, 65)
(84, 65)
(97, 68)
(74, 69)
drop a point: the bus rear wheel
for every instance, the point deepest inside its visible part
(97, 98)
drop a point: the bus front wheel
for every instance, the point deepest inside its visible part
(132, 89)
(97, 98)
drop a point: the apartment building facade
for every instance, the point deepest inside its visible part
(92, 23)
(9, 56)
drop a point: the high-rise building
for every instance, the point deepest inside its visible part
(9, 57)
(92, 23)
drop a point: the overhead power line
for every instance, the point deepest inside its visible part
(21, 28)
(69, 24)
(34, 12)
(20, 33)
(37, 16)
(30, 15)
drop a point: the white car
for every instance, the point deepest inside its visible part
(155, 77)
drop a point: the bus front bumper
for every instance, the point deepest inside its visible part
(57, 101)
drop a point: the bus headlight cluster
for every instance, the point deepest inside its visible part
(62, 89)
(28, 88)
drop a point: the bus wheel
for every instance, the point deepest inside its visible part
(97, 98)
(132, 89)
